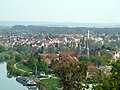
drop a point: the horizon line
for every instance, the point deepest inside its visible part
(60, 22)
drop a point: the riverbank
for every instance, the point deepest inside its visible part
(6, 82)
(18, 69)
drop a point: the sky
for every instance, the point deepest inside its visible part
(81, 11)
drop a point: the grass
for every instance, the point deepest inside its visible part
(50, 82)
(23, 67)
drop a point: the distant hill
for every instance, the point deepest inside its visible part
(62, 30)
(60, 24)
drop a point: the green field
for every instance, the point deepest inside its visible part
(51, 83)
(23, 67)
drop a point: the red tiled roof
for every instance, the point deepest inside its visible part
(71, 53)
(32, 41)
(47, 60)
(45, 41)
(45, 55)
(24, 61)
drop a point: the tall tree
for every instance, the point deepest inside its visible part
(43, 66)
(71, 73)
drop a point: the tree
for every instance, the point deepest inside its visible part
(105, 54)
(12, 54)
(2, 48)
(51, 49)
(18, 57)
(71, 73)
(43, 66)
(112, 83)
(84, 58)
(97, 61)
(63, 47)
(36, 64)
(32, 62)
(22, 49)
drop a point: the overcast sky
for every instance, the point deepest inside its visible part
(82, 11)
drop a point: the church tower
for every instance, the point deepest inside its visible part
(87, 46)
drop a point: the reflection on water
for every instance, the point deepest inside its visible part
(8, 82)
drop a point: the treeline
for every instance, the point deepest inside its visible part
(59, 30)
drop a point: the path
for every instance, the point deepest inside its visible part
(19, 68)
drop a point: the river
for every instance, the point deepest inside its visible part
(9, 83)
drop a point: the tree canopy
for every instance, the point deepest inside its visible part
(71, 73)
(2, 48)
(112, 83)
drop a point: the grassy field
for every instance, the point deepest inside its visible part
(23, 67)
(51, 83)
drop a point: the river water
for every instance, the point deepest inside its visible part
(9, 83)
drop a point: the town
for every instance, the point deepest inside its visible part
(73, 61)
(59, 44)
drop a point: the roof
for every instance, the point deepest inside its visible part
(45, 55)
(71, 53)
(47, 60)
(24, 61)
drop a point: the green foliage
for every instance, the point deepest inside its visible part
(32, 62)
(106, 54)
(14, 72)
(12, 54)
(22, 49)
(71, 73)
(112, 83)
(2, 48)
(23, 67)
(97, 61)
(43, 66)
(64, 48)
(4, 56)
(51, 49)
(11, 69)
(50, 82)
(114, 44)
(18, 57)
(84, 58)
(60, 30)
(116, 70)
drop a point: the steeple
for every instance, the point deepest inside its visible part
(88, 36)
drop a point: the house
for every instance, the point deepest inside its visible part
(24, 61)
(115, 55)
(72, 55)
(42, 73)
(58, 55)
